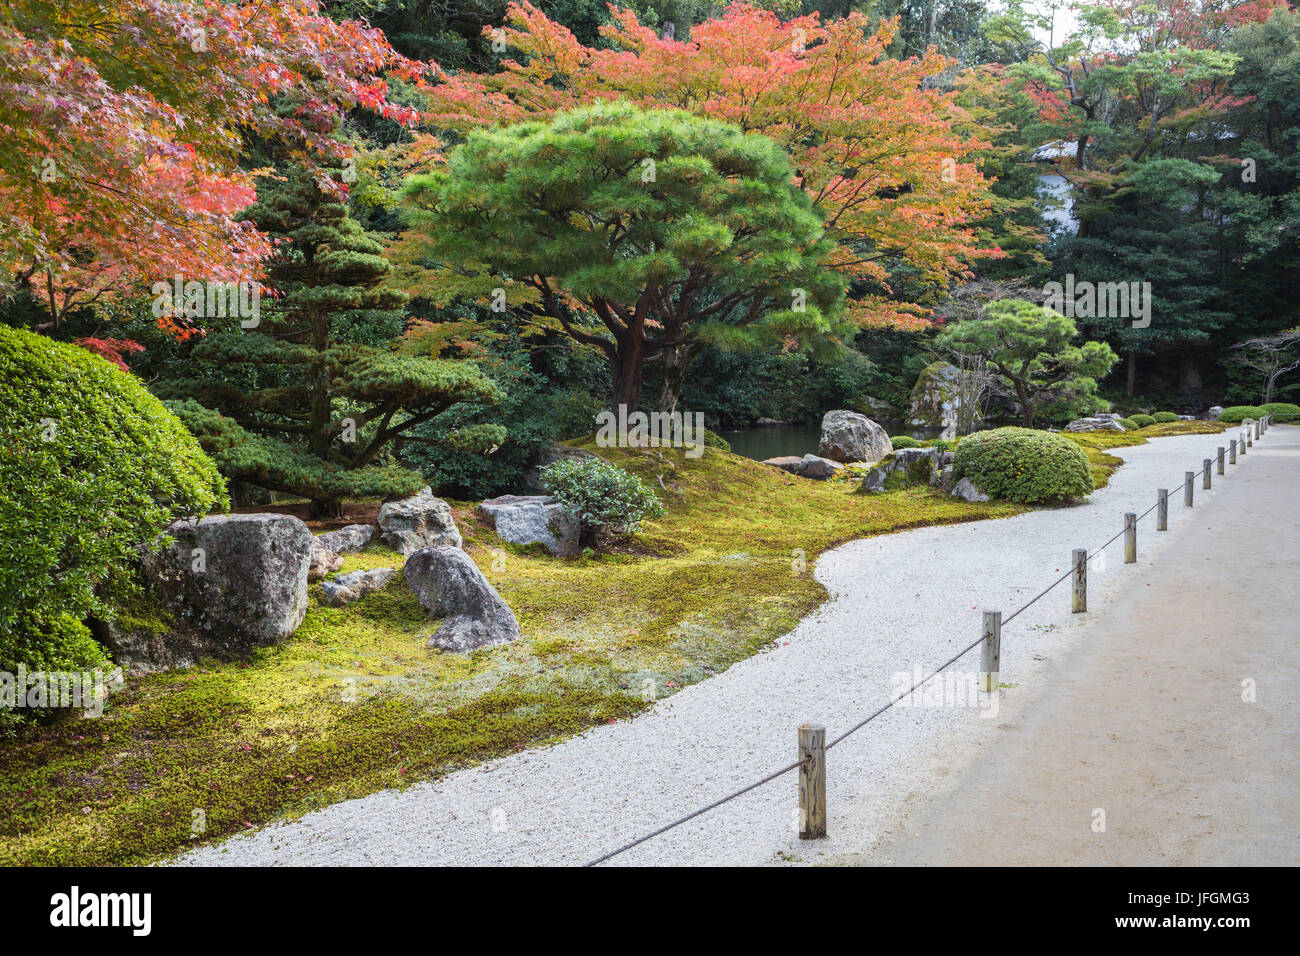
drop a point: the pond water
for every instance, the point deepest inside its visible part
(773, 441)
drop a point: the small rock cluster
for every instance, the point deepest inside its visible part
(228, 584)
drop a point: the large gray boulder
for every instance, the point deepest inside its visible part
(347, 588)
(907, 468)
(936, 400)
(225, 586)
(852, 437)
(533, 519)
(1214, 412)
(421, 521)
(449, 586)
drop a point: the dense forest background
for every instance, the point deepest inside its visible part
(1174, 126)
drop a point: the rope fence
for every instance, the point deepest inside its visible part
(811, 762)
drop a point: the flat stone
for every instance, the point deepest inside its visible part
(967, 490)
(533, 519)
(349, 539)
(347, 588)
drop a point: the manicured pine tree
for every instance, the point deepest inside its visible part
(311, 399)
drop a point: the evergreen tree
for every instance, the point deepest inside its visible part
(310, 399)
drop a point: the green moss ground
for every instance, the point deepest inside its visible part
(356, 702)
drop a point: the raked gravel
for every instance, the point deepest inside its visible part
(898, 602)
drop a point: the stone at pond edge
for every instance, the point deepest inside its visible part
(533, 519)
(409, 524)
(449, 586)
(811, 466)
(852, 437)
(968, 491)
(347, 588)
(225, 586)
(788, 463)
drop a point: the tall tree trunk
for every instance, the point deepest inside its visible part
(676, 361)
(629, 367)
(1026, 406)
(1130, 382)
(318, 434)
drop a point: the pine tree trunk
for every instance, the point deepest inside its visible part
(629, 368)
(676, 361)
(1130, 384)
(318, 435)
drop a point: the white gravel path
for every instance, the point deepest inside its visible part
(897, 602)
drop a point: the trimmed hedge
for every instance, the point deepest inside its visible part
(1142, 421)
(1163, 418)
(904, 441)
(1282, 411)
(91, 466)
(1129, 424)
(1021, 464)
(1239, 413)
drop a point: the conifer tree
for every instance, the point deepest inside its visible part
(309, 397)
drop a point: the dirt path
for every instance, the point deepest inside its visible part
(1144, 718)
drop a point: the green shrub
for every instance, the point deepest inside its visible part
(714, 440)
(1282, 411)
(1129, 424)
(904, 441)
(1164, 417)
(603, 498)
(1020, 464)
(1239, 413)
(91, 465)
(1142, 421)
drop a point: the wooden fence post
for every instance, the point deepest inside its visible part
(1222, 451)
(1232, 452)
(1131, 538)
(1162, 509)
(1079, 592)
(1188, 478)
(812, 781)
(991, 653)
(1205, 474)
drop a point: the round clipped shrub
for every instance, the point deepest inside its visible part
(904, 441)
(603, 498)
(1163, 418)
(1239, 413)
(1129, 424)
(1282, 411)
(1020, 464)
(91, 465)
(1142, 421)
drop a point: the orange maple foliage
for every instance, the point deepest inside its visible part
(876, 145)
